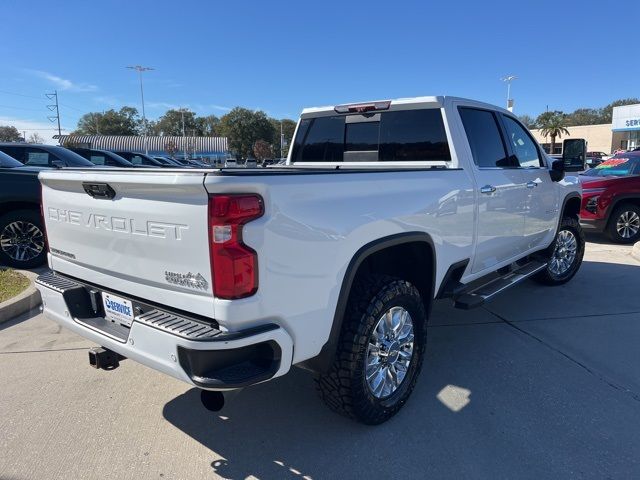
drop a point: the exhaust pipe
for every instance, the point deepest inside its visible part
(214, 400)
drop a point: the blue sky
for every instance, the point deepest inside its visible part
(282, 56)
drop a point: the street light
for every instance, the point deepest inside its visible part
(509, 79)
(140, 69)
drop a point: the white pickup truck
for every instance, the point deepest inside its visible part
(225, 278)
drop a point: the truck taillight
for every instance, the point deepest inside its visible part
(234, 266)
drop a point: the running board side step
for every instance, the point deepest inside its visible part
(478, 295)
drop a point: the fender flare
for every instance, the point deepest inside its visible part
(323, 361)
(566, 200)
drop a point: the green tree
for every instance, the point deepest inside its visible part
(528, 121)
(243, 128)
(585, 116)
(288, 127)
(171, 123)
(553, 125)
(208, 126)
(9, 134)
(607, 112)
(126, 121)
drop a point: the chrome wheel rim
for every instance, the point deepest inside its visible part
(389, 352)
(564, 252)
(22, 241)
(628, 224)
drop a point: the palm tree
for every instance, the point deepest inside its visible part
(552, 124)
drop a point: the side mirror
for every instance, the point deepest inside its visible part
(574, 154)
(557, 170)
(57, 163)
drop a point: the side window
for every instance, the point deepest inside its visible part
(324, 141)
(14, 152)
(522, 144)
(137, 160)
(413, 135)
(484, 137)
(98, 159)
(37, 157)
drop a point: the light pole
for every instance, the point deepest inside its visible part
(140, 69)
(508, 79)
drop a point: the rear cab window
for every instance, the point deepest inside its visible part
(412, 135)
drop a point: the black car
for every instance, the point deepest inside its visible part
(49, 156)
(141, 159)
(22, 241)
(169, 161)
(103, 157)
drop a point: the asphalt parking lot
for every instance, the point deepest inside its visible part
(542, 383)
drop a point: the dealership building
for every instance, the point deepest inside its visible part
(622, 133)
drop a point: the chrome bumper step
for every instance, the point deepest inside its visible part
(478, 295)
(76, 295)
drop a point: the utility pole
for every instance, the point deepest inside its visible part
(184, 140)
(508, 79)
(140, 69)
(281, 141)
(55, 108)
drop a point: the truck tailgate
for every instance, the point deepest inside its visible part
(149, 241)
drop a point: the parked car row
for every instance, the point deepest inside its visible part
(610, 201)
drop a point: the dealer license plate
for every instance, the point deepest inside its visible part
(117, 309)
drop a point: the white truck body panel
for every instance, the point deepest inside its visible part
(314, 222)
(157, 223)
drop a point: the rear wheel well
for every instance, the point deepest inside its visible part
(411, 261)
(12, 206)
(409, 256)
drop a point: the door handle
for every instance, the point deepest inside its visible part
(488, 189)
(531, 184)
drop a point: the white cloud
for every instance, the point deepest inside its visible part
(168, 106)
(220, 107)
(45, 130)
(65, 84)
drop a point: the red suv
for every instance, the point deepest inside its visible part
(611, 198)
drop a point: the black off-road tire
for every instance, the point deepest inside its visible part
(344, 389)
(612, 230)
(28, 218)
(546, 276)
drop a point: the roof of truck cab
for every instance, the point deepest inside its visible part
(432, 101)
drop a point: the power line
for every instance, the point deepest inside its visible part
(20, 95)
(21, 108)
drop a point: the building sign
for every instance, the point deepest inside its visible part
(626, 118)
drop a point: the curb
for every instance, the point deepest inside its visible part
(23, 302)
(635, 252)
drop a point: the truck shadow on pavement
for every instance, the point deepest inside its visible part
(492, 401)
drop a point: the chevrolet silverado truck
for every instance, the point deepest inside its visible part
(224, 278)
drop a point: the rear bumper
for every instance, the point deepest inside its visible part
(593, 224)
(185, 348)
